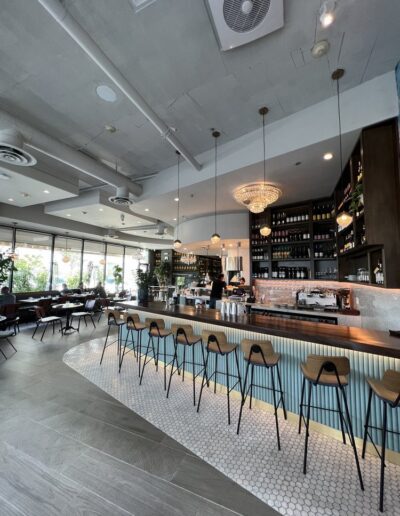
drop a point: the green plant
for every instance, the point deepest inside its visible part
(162, 272)
(356, 198)
(117, 273)
(31, 274)
(144, 279)
(6, 266)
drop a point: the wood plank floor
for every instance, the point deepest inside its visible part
(68, 448)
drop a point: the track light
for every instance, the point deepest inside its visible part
(327, 13)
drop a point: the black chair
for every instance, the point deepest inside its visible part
(114, 321)
(262, 354)
(330, 372)
(184, 336)
(87, 313)
(42, 320)
(11, 313)
(388, 391)
(218, 345)
(5, 337)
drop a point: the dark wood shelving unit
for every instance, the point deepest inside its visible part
(369, 248)
(204, 264)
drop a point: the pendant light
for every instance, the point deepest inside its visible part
(343, 218)
(66, 258)
(265, 230)
(215, 238)
(177, 242)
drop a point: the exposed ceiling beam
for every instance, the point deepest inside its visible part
(88, 45)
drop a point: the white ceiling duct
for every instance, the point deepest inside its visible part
(61, 152)
(159, 226)
(87, 44)
(12, 149)
(121, 198)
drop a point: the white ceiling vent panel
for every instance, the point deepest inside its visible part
(237, 22)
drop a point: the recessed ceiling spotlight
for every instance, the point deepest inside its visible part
(46, 191)
(5, 177)
(174, 218)
(106, 93)
(327, 13)
(146, 209)
(24, 194)
(11, 199)
(68, 214)
(320, 48)
(110, 128)
(176, 199)
(101, 209)
(328, 156)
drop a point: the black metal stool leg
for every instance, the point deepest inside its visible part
(227, 389)
(238, 369)
(367, 423)
(37, 326)
(123, 352)
(140, 349)
(216, 373)
(174, 358)
(383, 452)
(281, 392)
(301, 404)
(351, 436)
(275, 408)
(105, 344)
(340, 415)
(44, 331)
(204, 380)
(165, 363)
(145, 357)
(194, 377)
(243, 397)
(184, 364)
(204, 359)
(307, 427)
(251, 385)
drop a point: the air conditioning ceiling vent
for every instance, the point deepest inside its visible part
(121, 198)
(237, 22)
(12, 149)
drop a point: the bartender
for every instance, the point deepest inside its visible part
(240, 290)
(217, 288)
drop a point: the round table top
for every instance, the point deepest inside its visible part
(68, 306)
(2, 318)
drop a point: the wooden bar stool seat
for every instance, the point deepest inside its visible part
(261, 354)
(217, 344)
(331, 372)
(184, 336)
(156, 330)
(388, 391)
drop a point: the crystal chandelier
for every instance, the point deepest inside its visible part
(257, 196)
(189, 258)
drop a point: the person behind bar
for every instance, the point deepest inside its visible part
(240, 290)
(217, 288)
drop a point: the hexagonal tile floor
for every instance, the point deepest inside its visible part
(251, 459)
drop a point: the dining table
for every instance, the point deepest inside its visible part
(68, 308)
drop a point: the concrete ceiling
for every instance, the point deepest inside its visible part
(169, 53)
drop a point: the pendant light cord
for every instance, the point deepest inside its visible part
(340, 126)
(215, 185)
(263, 131)
(179, 198)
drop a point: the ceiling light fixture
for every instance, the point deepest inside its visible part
(106, 93)
(327, 13)
(328, 156)
(177, 242)
(101, 209)
(11, 199)
(46, 191)
(176, 199)
(343, 218)
(146, 209)
(215, 238)
(68, 214)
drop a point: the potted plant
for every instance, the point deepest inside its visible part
(143, 280)
(6, 266)
(117, 273)
(162, 272)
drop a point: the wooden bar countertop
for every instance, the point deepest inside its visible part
(347, 337)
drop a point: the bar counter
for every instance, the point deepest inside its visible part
(346, 337)
(370, 353)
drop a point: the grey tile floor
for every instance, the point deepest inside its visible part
(251, 459)
(68, 448)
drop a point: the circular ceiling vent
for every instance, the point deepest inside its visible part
(121, 198)
(245, 15)
(112, 234)
(12, 149)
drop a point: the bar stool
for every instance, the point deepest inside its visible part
(133, 324)
(184, 336)
(114, 320)
(332, 372)
(156, 329)
(388, 391)
(217, 343)
(261, 354)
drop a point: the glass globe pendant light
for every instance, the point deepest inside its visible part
(177, 243)
(265, 230)
(66, 258)
(215, 238)
(343, 218)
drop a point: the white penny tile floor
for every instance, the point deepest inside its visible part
(251, 459)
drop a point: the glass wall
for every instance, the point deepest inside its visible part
(114, 268)
(66, 262)
(33, 252)
(93, 263)
(33, 256)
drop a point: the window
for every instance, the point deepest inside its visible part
(6, 235)
(67, 262)
(114, 268)
(33, 255)
(133, 256)
(93, 263)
